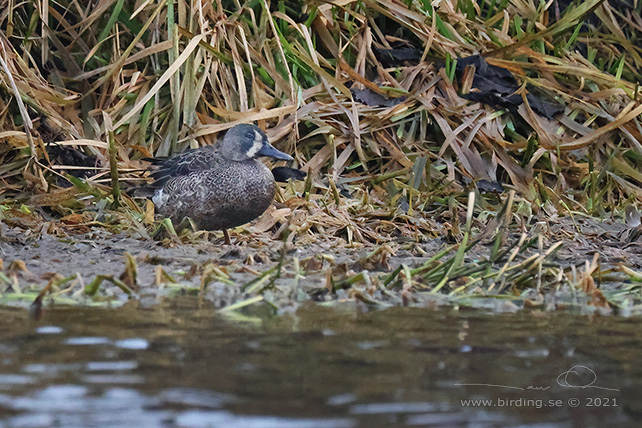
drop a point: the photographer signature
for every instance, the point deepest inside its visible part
(577, 377)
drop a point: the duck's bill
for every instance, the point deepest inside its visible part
(269, 151)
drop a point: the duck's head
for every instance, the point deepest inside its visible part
(244, 142)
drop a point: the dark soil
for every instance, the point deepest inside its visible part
(218, 271)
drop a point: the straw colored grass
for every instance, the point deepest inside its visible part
(120, 80)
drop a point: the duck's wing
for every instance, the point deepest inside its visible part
(185, 163)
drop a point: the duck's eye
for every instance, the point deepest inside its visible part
(258, 137)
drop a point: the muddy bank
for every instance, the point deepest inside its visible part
(260, 268)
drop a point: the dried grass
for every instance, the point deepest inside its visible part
(119, 81)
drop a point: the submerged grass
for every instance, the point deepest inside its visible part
(401, 142)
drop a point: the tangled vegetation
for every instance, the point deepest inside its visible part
(477, 122)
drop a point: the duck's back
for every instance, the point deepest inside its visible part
(185, 163)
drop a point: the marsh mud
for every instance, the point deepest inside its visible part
(283, 274)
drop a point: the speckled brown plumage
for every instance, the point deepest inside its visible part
(220, 186)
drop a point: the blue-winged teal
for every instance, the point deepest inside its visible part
(220, 186)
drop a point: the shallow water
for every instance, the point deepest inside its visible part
(182, 365)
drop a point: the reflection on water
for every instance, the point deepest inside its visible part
(181, 365)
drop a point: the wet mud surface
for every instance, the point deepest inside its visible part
(220, 272)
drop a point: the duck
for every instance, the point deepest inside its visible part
(219, 186)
